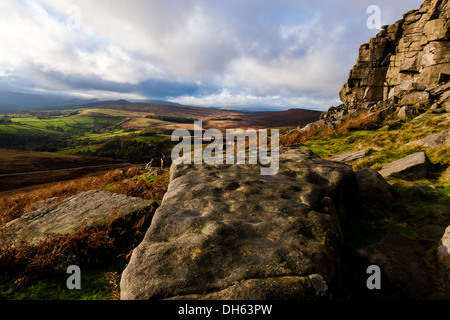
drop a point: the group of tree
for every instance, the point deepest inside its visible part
(5, 120)
(129, 150)
(32, 141)
(56, 128)
(46, 148)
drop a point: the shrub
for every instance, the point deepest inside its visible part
(129, 150)
(5, 120)
(360, 122)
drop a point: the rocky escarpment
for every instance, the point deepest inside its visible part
(226, 232)
(407, 62)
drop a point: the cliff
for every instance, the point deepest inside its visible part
(407, 63)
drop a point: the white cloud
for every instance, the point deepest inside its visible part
(227, 99)
(41, 41)
(256, 51)
(182, 37)
(291, 73)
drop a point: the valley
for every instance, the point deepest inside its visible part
(80, 130)
(54, 143)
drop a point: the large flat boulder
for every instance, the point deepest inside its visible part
(415, 166)
(226, 232)
(90, 209)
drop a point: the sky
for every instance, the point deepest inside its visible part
(279, 54)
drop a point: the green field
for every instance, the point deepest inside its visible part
(64, 131)
(80, 130)
(76, 150)
(77, 124)
(99, 137)
(19, 128)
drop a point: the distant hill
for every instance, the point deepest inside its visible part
(11, 101)
(219, 118)
(167, 109)
(222, 119)
(282, 119)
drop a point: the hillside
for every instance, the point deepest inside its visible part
(384, 194)
(266, 120)
(169, 110)
(12, 100)
(27, 169)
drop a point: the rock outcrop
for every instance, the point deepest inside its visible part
(226, 232)
(373, 187)
(407, 62)
(407, 112)
(415, 166)
(90, 209)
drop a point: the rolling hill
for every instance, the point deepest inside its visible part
(220, 119)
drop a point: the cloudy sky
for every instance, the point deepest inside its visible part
(284, 54)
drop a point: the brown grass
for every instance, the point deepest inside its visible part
(113, 288)
(139, 188)
(360, 122)
(55, 252)
(15, 205)
(87, 246)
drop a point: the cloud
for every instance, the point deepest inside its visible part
(285, 53)
(228, 100)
